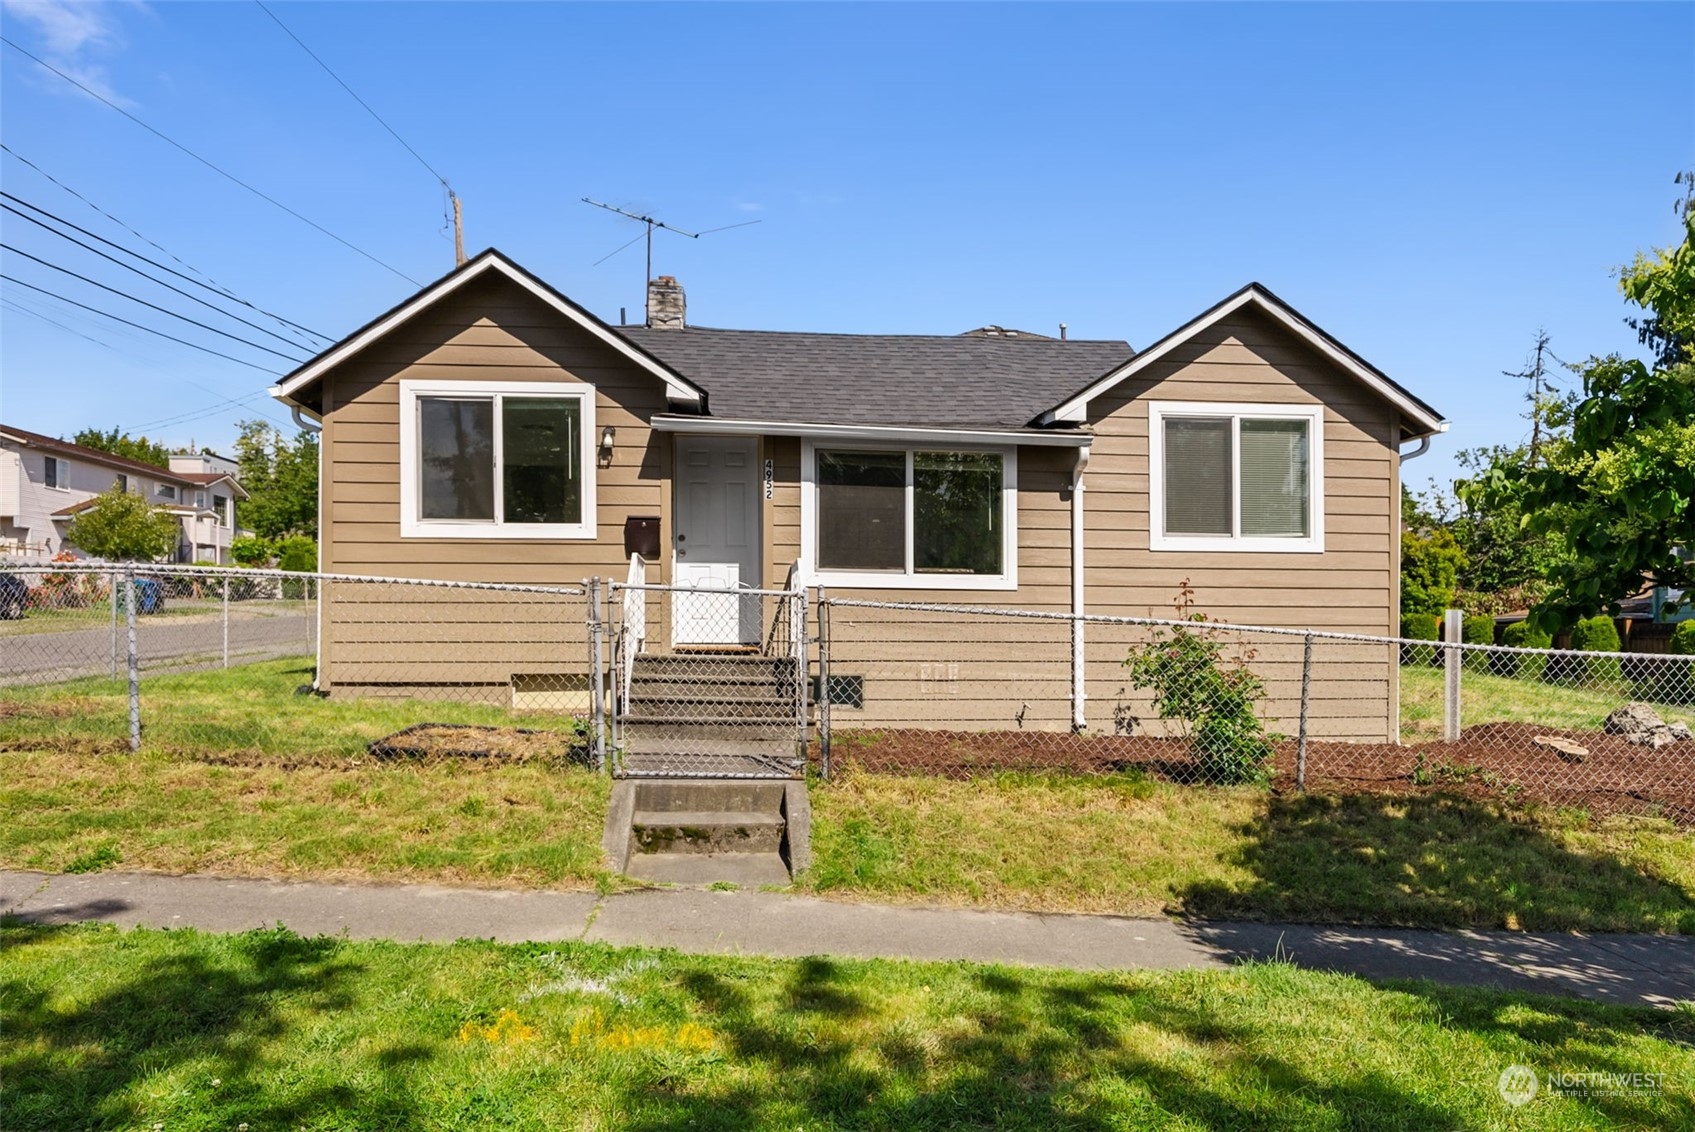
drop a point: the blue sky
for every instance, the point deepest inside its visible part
(1430, 183)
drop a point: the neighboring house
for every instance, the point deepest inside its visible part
(45, 483)
(491, 429)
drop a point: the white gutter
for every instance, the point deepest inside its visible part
(724, 426)
(1079, 665)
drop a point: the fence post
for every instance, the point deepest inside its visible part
(803, 676)
(113, 593)
(226, 621)
(824, 682)
(134, 662)
(1306, 699)
(597, 709)
(1453, 628)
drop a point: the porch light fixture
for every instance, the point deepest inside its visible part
(607, 435)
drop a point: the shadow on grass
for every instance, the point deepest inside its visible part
(85, 1064)
(1028, 1055)
(1437, 860)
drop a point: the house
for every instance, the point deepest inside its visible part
(45, 482)
(490, 429)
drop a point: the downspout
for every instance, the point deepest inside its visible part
(1423, 447)
(1079, 667)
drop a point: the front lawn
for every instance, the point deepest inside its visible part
(526, 826)
(266, 1030)
(1138, 847)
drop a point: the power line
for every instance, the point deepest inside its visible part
(353, 95)
(145, 303)
(139, 326)
(144, 275)
(216, 169)
(180, 418)
(210, 283)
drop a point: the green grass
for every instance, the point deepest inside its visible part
(1499, 699)
(253, 710)
(1142, 848)
(528, 825)
(268, 1030)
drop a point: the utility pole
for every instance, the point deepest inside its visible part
(458, 230)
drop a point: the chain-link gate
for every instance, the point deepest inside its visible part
(707, 683)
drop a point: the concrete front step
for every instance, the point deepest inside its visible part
(744, 870)
(706, 831)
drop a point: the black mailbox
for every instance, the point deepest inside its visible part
(641, 536)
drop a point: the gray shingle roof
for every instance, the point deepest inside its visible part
(966, 381)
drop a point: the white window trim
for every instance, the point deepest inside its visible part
(1235, 543)
(889, 580)
(411, 488)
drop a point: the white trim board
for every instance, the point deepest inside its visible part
(1076, 410)
(411, 526)
(887, 434)
(1158, 541)
(889, 580)
(677, 388)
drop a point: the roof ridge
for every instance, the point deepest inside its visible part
(863, 334)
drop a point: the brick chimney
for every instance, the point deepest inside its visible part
(665, 303)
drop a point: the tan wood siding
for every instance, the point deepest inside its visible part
(492, 330)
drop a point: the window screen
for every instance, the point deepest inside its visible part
(862, 510)
(1275, 475)
(1198, 476)
(456, 447)
(541, 439)
(956, 520)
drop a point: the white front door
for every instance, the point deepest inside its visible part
(716, 541)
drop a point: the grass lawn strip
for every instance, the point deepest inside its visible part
(267, 1029)
(1135, 847)
(524, 825)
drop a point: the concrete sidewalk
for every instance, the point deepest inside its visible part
(1632, 969)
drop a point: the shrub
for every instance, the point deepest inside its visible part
(1592, 634)
(251, 550)
(298, 554)
(1213, 698)
(1430, 565)
(1418, 627)
(1522, 635)
(1478, 629)
(1675, 678)
(1683, 639)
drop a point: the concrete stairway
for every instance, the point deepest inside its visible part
(710, 715)
(700, 831)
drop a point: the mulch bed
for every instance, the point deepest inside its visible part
(467, 741)
(1491, 760)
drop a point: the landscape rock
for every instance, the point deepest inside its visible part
(1638, 723)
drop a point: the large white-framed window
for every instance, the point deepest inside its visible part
(1235, 477)
(922, 516)
(497, 459)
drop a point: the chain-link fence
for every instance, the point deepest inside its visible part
(674, 680)
(294, 667)
(916, 688)
(708, 682)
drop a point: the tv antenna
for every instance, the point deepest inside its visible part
(651, 224)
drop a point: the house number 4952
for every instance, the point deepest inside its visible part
(770, 477)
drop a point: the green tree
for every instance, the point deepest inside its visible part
(1618, 498)
(1430, 566)
(120, 443)
(123, 527)
(281, 479)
